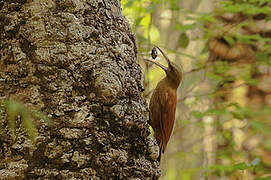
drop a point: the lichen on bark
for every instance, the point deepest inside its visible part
(75, 61)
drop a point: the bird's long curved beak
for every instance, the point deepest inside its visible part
(164, 54)
(160, 65)
(156, 63)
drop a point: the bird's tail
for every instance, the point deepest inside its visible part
(161, 148)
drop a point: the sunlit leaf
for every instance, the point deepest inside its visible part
(183, 40)
(145, 20)
(138, 21)
(152, 33)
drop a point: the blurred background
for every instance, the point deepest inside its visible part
(223, 124)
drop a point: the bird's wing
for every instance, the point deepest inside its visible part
(155, 114)
(167, 115)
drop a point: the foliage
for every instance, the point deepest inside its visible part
(232, 114)
(230, 169)
(15, 110)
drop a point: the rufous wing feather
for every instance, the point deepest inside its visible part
(167, 116)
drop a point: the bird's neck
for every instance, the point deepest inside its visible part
(170, 83)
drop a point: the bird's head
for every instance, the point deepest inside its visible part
(173, 71)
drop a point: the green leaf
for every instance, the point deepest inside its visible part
(183, 40)
(229, 40)
(264, 58)
(240, 166)
(14, 109)
(258, 126)
(216, 111)
(222, 67)
(205, 49)
(196, 114)
(219, 169)
(174, 5)
(253, 82)
(246, 75)
(264, 178)
(262, 127)
(208, 17)
(138, 20)
(245, 8)
(28, 123)
(184, 27)
(214, 76)
(250, 39)
(227, 135)
(239, 114)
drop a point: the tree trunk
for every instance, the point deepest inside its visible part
(76, 61)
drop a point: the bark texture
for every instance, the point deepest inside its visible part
(74, 60)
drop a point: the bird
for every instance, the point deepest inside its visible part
(163, 102)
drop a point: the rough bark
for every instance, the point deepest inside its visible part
(74, 60)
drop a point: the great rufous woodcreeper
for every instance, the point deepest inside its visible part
(163, 103)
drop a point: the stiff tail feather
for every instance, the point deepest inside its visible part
(161, 150)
